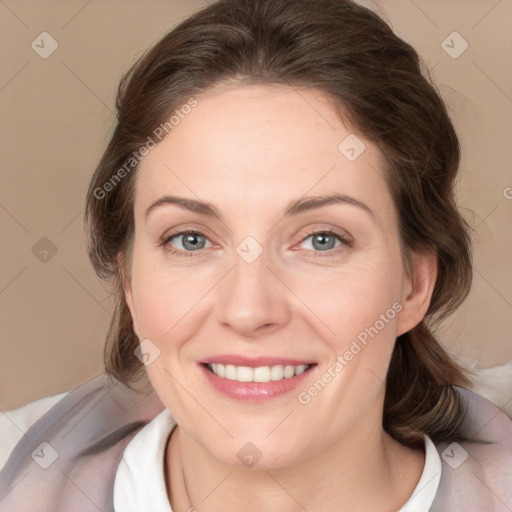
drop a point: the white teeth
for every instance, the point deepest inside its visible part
(230, 371)
(244, 374)
(289, 371)
(276, 372)
(262, 374)
(301, 369)
(258, 374)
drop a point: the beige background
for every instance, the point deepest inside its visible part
(57, 113)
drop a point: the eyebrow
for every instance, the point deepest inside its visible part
(296, 207)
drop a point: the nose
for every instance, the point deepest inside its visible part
(251, 300)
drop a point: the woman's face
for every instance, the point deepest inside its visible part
(274, 276)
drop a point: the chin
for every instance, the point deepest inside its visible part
(260, 453)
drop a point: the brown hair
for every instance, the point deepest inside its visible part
(374, 78)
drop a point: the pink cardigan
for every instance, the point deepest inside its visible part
(67, 460)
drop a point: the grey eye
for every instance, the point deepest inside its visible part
(190, 241)
(321, 241)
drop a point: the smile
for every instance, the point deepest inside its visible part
(256, 383)
(257, 374)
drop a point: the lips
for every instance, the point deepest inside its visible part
(253, 362)
(257, 378)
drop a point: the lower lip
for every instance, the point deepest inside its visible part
(254, 391)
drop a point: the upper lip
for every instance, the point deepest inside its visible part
(254, 362)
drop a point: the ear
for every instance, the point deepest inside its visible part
(128, 292)
(417, 290)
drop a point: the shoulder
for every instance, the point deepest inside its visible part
(476, 473)
(85, 432)
(15, 422)
(488, 430)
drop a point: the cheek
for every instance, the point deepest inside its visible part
(350, 300)
(166, 299)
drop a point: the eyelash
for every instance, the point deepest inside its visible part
(343, 239)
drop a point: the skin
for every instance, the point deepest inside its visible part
(249, 150)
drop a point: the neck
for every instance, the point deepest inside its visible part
(365, 470)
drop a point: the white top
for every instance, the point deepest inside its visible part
(140, 483)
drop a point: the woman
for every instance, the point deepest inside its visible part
(276, 211)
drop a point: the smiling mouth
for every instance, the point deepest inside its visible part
(256, 374)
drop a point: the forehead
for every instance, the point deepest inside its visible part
(262, 145)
